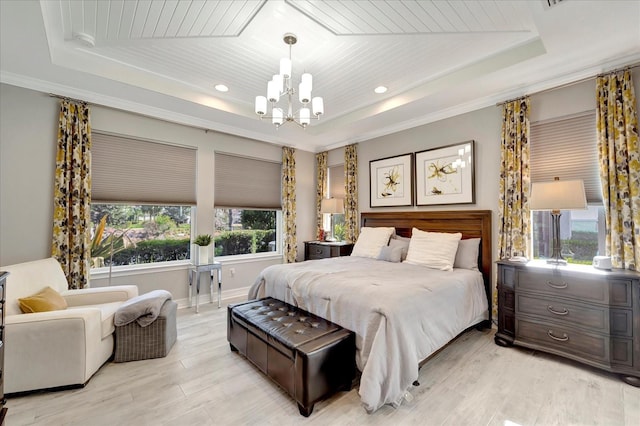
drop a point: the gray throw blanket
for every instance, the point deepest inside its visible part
(144, 308)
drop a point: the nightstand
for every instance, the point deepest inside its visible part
(578, 312)
(325, 249)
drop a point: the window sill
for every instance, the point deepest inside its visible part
(153, 268)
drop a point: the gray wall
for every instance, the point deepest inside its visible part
(28, 127)
(484, 126)
(28, 131)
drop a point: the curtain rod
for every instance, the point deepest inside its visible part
(627, 67)
(67, 98)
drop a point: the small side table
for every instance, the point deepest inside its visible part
(197, 271)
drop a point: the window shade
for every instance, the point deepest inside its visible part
(567, 148)
(336, 181)
(133, 170)
(248, 183)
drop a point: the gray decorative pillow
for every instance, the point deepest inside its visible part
(402, 243)
(467, 254)
(390, 254)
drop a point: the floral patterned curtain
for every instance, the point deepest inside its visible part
(619, 156)
(351, 193)
(71, 243)
(321, 189)
(289, 203)
(513, 205)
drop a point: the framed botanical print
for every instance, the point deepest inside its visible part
(391, 181)
(445, 175)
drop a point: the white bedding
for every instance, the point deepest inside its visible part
(401, 313)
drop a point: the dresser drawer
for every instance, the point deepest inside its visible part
(577, 344)
(616, 292)
(593, 317)
(564, 339)
(317, 251)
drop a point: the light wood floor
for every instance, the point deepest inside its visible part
(471, 382)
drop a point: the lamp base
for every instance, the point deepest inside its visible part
(330, 239)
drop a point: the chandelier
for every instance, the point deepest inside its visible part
(281, 86)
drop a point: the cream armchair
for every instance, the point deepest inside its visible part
(57, 348)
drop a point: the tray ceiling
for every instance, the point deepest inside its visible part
(437, 58)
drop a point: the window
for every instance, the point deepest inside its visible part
(126, 234)
(581, 234)
(567, 148)
(245, 231)
(335, 185)
(142, 197)
(247, 211)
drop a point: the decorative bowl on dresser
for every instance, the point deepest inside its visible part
(578, 312)
(324, 249)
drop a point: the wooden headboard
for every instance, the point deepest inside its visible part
(471, 223)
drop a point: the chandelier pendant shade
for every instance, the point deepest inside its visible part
(281, 86)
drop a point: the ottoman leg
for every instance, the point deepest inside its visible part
(305, 411)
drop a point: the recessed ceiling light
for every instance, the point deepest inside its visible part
(380, 89)
(221, 88)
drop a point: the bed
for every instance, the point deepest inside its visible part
(401, 313)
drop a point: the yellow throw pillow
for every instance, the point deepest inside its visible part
(46, 300)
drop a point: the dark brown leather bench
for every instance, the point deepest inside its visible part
(308, 356)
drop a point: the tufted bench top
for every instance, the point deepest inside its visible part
(283, 325)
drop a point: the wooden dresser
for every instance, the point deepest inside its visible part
(578, 312)
(324, 249)
(3, 409)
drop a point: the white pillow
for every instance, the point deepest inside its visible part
(371, 240)
(436, 250)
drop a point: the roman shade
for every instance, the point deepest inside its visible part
(336, 181)
(566, 147)
(129, 170)
(248, 183)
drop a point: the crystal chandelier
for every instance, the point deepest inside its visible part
(280, 86)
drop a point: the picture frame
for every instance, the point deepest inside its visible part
(391, 181)
(446, 175)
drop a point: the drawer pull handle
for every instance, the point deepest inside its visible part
(564, 311)
(564, 337)
(552, 285)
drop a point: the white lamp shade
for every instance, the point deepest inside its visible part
(279, 82)
(276, 116)
(261, 105)
(272, 92)
(305, 116)
(318, 105)
(304, 92)
(285, 67)
(307, 80)
(332, 205)
(558, 195)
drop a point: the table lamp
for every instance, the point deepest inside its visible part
(555, 196)
(332, 206)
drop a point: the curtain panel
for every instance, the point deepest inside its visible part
(321, 189)
(619, 157)
(289, 203)
(351, 193)
(71, 243)
(513, 204)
